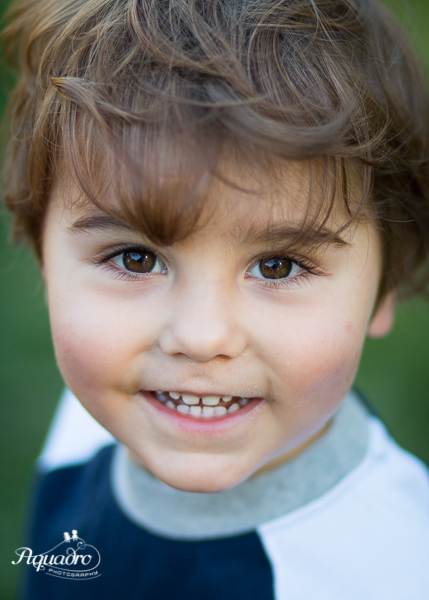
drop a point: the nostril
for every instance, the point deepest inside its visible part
(202, 329)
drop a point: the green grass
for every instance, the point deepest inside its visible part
(394, 371)
(30, 385)
(394, 374)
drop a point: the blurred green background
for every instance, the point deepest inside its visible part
(394, 371)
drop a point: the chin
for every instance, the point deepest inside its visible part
(208, 485)
(199, 478)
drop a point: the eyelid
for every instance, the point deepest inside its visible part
(301, 261)
(290, 275)
(308, 270)
(122, 248)
(105, 258)
(105, 261)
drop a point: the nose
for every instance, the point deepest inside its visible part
(203, 324)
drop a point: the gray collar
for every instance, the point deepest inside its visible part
(152, 504)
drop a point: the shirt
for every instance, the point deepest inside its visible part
(347, 519)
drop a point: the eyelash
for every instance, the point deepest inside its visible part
(116, 271)
(308, 269)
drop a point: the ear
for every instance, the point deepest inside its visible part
(382, 320)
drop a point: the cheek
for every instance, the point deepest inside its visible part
(95, 340)
(315, 357)
(329, 363)
(83, 346)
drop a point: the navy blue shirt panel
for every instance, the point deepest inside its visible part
(135, 564)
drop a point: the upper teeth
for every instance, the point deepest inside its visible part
(190, 399)
(206, 400)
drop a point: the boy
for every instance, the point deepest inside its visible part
(225, 198)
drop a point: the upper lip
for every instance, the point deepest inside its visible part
(205, 393)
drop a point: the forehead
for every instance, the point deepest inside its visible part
(240, 199)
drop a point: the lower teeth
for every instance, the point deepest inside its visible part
(196, 410)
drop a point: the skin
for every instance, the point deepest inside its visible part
(211, 324)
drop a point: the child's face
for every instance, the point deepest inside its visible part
(207, 318)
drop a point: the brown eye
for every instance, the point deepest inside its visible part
(139, 261)
(274, 267)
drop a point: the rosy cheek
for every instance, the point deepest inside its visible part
(79, 356)
(317, 360)
(87, 344)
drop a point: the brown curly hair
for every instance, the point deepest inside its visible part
(115, 90)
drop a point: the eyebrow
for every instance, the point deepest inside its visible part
(273, 234)
(280, 233)
(99, 222)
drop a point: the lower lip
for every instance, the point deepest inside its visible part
(200, 424)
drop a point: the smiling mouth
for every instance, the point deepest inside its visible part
(203, 407)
